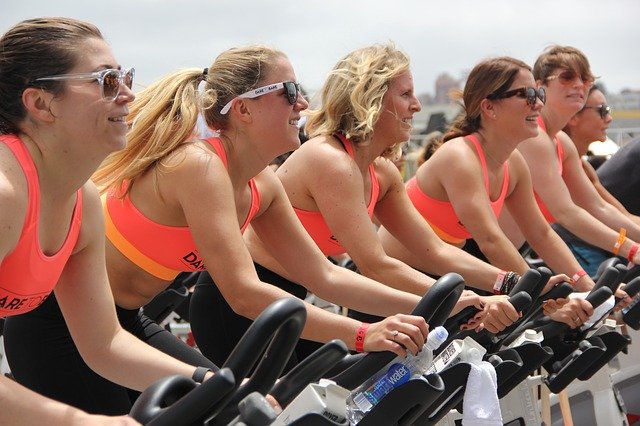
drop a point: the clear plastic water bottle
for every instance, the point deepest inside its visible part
(397, 372)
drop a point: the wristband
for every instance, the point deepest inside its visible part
(576, 277)
(499, 281)
(362, 331)
(509, 282)
(632, 252)
(622, 236)
(198, 375)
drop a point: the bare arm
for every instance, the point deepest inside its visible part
(21, 406)
(460, 175)
(87, 305)
(539, 234)
(205, 192)
(586, 196)
(604, 193)
(540, 156)
(423, 248)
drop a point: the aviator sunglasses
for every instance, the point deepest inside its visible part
(528, 93)
(603, 110)
(291, 91)
(110, 80)
(566, 77)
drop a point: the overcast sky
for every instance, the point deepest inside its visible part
(158, 36)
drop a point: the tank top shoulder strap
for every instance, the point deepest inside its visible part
(216, 143)
(483, 161)
(346, 142)
(30, 173)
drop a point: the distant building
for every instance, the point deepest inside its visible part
(445, 83)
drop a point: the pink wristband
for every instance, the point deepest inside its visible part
(362, 331)
(632, 252)
(576, 277)
(499, 280)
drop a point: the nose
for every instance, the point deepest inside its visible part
(301, 103)
(125, 94)
(416, 106)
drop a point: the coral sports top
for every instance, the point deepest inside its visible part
(441, 215)
(161, 250)
(27, 275)
(315, 224)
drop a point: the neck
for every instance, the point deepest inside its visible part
(243, 161)
(553, 121)
(59, 174)
(497, 149)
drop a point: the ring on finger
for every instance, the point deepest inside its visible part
(395, 334)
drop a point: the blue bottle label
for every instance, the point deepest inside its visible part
(397, 375)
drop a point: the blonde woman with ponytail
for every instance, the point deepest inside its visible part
(461, 190)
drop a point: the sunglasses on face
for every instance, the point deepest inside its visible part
(110, 80)
(291, 91)
(566, 77)
(603, 110)
(528, 93)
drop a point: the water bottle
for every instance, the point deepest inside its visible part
(394, 374)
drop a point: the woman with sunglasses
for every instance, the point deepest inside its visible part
(462, 189)
(174, 202)
(63, 103)
(563, 190)
(343, 176)
(589, 125)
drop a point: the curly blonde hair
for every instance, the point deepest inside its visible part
(351, 97)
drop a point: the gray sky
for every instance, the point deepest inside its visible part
(158, 36)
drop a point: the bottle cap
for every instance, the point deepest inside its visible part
(436, 337)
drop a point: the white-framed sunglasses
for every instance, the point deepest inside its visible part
(291, 91)
(110, 80)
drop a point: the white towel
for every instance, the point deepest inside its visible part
(481, 406)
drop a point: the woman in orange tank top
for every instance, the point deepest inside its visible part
(63, 103)
(341, 177)
(570, 197)
(477, 169)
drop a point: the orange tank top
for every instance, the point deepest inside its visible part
(27, 275)
(314, 222)
(161, 250)
(560, 153)
(441, 215)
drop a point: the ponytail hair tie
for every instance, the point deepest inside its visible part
(205, 72)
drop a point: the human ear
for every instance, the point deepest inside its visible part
(37, 103)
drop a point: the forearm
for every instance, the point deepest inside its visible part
(323, 326)
(130, 362)
(615, 219)
(555, 253)
(398, 275)
(588, 228)
(448, 258)
(356, 291)
(21, 406)
(502, 254)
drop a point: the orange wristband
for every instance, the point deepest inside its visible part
(362, 331)
(622, 236)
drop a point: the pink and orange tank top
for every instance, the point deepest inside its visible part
(27, 275)
(162, 251)
(441, 215)
(315, 224)
(560, 153)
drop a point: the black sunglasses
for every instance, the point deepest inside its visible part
(528, 93)
(291, 91)
(603, 110)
